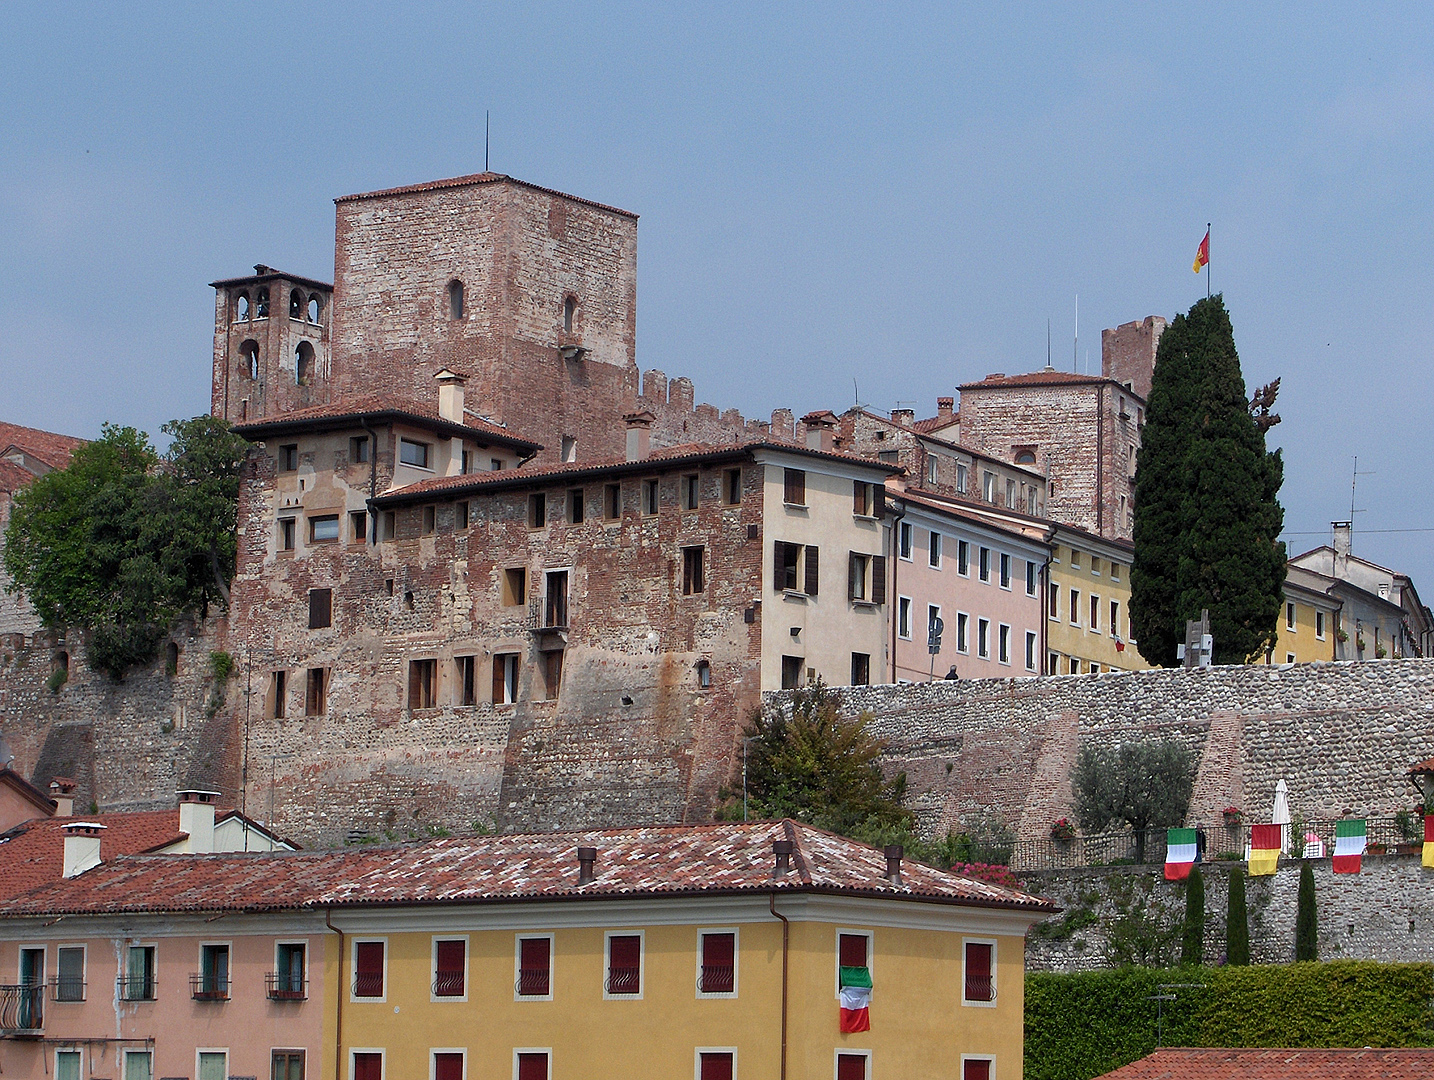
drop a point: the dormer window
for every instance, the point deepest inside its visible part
(455, 299)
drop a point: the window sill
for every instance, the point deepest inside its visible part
(869, 605)
(866, 517)
(794, 596)
(796, 506)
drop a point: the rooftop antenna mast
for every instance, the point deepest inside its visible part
(1354, 483)
(485, 140)
(1075, 348)
(1048, 344)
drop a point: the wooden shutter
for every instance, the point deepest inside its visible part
(532, 1067)
(878, 579)
(447, 1067)
(716, 1067)
(976, 1070)
(812, 573)
(978, 972)
(368, 963)
(625, 951)
(853, 571)
(321, 603)
(533, 966)
(779, 565)
(852, 950)
(879, 510)
(368, 1067)
(718, 963)
(449, 962)
(851, 1067)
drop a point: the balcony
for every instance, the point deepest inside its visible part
(718, 979)
(980, 988)
(135, 987)
(624, 980)
(533, 982)
(208, 986)
(286, 986)
(67, 989)
(22, 1011)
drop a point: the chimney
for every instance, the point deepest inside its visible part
(450, 395)
(1343, 538)
(893, 853)
(821, 430)
(945, 406)
(639, 434)
(82, 847)
(62, 790)
(587, 857)
(782, 849)
(903, 416)
(196, 817)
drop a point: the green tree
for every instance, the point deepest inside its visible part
(1192, 939)
(806, 761)
(1146, 785)
(1306, 927)
(1237, 922)
(1207, 512)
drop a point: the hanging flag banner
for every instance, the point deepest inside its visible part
(1202, 253)
(855, 999)
(1348, 846)
(1180, 851)
(1428, 859)
(1264, 849)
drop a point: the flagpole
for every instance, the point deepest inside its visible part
(1207, 263)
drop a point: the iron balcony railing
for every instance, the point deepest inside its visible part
(980, 988)
(448, 984)
(135, 987)
(718, 978)
(624, 980)
(67, 989)
(368, 984)
(533, 982)
(208, 986)
(285, 986)
(22, 1009)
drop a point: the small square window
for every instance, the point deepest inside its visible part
(690, 491)
(289, 457)
(358, 526)
(792, 672)
(324, 530)
(515, 586)
(358, 450)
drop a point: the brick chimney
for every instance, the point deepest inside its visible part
(62, 790)
(196, 817)
(587, 861)
(945, 406)
(82, 847)
(639, 434)
(450, 395)
(821, 430)
(906, 417)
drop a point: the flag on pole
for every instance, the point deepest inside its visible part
(1428, 859)
(855, 999)
(1119, 643)
(1264, 849)
(1348, 846)
(1202, 253)
(1180, 849)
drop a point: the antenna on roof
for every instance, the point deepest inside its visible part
(855, 394)
(1075, 348)
(485, 140)
(1048, 344)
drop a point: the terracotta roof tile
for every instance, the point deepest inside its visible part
(935, 423)
(51, 448)
(33, 853)
(374, 404)
(469, 181)
(1036, 378)
(1423, 767)
(1274, 1064)
(719, 859)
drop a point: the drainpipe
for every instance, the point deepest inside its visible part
(338, 1000)
(786, 927)
(1045, 578)
(898, 512)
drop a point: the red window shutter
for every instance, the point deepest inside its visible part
(853, 950)
(532, 1067)
(447, 1067)
(368, 1067)
(625, 951)
(718, 963)
(978, 972)
(878, 579)
(369, 965)
(716, 1067)
(812, 575)
(448, 980)
(851, 1067)
(976, 1070)
(624, 964)
(533, 967)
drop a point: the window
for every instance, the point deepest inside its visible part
(692, 570)
(704, 674)
(261, 303)
(963, 558)
(138, 1065)
(515, 586)
(1075, 607)
(857, 568)
(624, 966)
(1115, 571)
(575, 506)
(1115, 618)
(904, 540)
(862, 503)
(612, 502)
(555, 607)
(70, 979)
(1075, 666)
(289, 457)
(732, 487)
(313, 309)
(1290, 617)
(450, 963)
(369, 964)
(428, 521)
(505, 678)
(455, 299)
(358, 526)
(67, 1065)
(324, 530)
(961, 472)
(1055, 601)
(532, 1064)
(715, 1064)
(321, 608)
(1094, 613)
(1053, 664)
(303, 364)
(464, 668)
(853, 1066)
(570, 310)
(903, 617)
(1005, 571)
(278, 688)
(988, 487)
(387, 525)
(316, 692)
(241, 307)
(249, 359)
(420, 683)
(933, 469)
(211, 982)
(963, 635)
(1319, 625)
(460, 515)
(1075, 559)
(933, 549)
(296, 304)
(413, 453)
(495, 464)
(973, 1068)
(287, 1065)
(1003, 643)
(979, 975)
(786, 558)
(213, 1064)
(794, 487)
(651, 497)
(717, 962)
(690, 491)
(933, 617)
(535, 967)
(1030, 650)
(1032, 506)
(791, 672)
(447, 1065)
(1030, 578)
(985, 564)
(367, 1065)
(1010, 494)
(1289, 658)
(983, 638)
(1025, 456)
(287, 982)
(860, 669)
(537, 510)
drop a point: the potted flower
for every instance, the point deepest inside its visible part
(1063, 830)
(1342, 636)
(1233, 816)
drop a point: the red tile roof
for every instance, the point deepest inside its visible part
(33, 853)
(477, 178)
(268, 273)
(935, 423)
(51, 448)
(1423, 767)
(1225, 1064)
(1037, 378)
(377, 406)
(717, 859)
(26, 790)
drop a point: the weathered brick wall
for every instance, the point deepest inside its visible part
(1386, 912)
(1127, 353)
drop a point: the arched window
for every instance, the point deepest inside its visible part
(455, 299)
(261, 301)
(249, 359)
(296, 304)
(241, 307)
(570, 310)
(314, 308)
(1026, 457)
(304, 364)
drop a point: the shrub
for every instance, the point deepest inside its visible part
(1192, 944)
(1237, 922)
(221, 664)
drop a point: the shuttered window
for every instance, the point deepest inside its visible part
(811, 571)
(719, 963)
(794, 487)
(532, 1067)
(624, 964)
(853, 950)
(368, 969)
(368, 1067)
(977, 1069)
(851, 1067)
(448, 1066)
(533, 963)
(716, 1066)
(878, 579)
(979, 986)
(449, 961)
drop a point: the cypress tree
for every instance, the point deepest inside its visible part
(1207, 512)
(1237, 923)
(1192, 943)
(1306, 930)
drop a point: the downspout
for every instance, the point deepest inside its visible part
(338, 999)
(895, 606)
(1045, 615)
(786, 928)
(372, 479)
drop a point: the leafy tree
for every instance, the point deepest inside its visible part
(1306, 927)
(806, 761)
(1146, 785)
(121, 543)
(1207, 512)
(1237, 922)
(1192, 940)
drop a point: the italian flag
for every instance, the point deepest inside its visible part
(1179, 853)
(1428, 859)
(1348, 846)
(855, 999)
(1264, 849)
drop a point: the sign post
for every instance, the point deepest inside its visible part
(933, 644)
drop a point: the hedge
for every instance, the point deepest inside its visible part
(1083, 1025)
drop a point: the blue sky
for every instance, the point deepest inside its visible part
(896, 194)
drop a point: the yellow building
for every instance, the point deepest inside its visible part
(1088, 605)
(1309, 620)
(712, 952)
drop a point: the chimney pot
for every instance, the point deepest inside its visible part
(782, 849)
(1343, 537)
(587, 857)
(903, 416)
(945, 406)
(82, 847)
(196, 818)
(62, 791)
(639, 434)
(893, 853)
(450, 395)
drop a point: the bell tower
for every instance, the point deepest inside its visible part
(271, 345)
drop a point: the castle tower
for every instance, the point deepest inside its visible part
(271, 345)
(1127, 353)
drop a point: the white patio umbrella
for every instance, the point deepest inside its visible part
(1281, 815)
